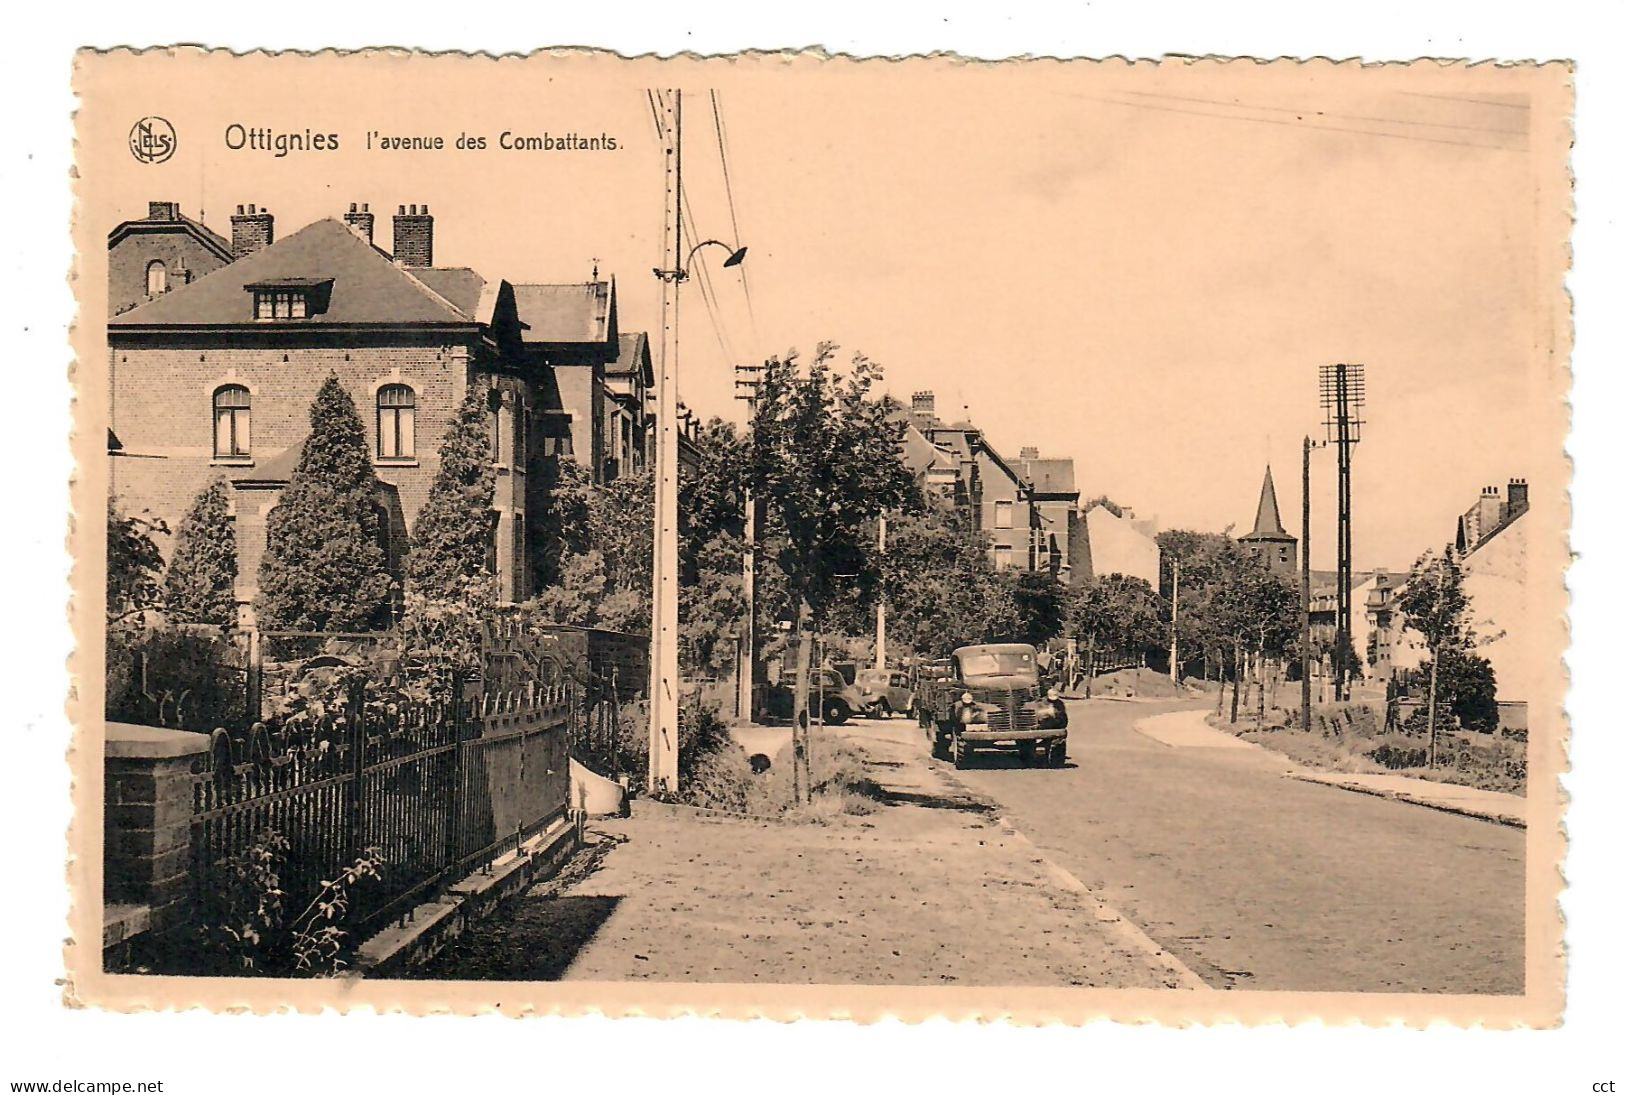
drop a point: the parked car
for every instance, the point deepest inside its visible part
(885, 691)
(993, 700)
(830, 695)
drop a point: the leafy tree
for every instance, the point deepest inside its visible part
(1116, 612)
(941, 590)
(324, 569)
(1467, 684)
(134, 564)
(1040, 602)
(563, 526)
(451, 540)
(200, 586)
(1436, 606)
(825, 460)
(1230, 603)
(575, 598)
(711, 610)
(599, 567)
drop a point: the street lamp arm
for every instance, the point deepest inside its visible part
(736, 255)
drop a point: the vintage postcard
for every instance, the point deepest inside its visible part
(790, 535)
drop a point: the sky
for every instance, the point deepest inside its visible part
(1141, 267)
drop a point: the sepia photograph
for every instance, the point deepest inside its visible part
(788, 534)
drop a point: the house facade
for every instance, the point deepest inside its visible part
(214, 377)
(1027, 508)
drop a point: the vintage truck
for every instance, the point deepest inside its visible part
(989, 699)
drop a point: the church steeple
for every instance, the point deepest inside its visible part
(1267, 525)
(1269, 539)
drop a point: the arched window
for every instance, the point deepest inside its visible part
(231, 421)
(397, 413)
(157, 278)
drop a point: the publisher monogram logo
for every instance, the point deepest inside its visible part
(152, 140)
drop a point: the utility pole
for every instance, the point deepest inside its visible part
(1303, 592)
(880, 607)
(1342, 397)
(664, 684)
(746, 380)
(1173, 639)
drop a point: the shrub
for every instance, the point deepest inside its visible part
(250, 931)
(324, 568)
(200, 586)
(452, 536)
(133, 564)
(182, 678)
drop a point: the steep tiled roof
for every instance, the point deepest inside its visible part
(367, 286)
(199, 231)
(576, 312)
(458, 284)
(1267, 525)
(632, 357)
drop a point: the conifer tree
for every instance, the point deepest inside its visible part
(324, 569)
(453, 530)
(202, 575)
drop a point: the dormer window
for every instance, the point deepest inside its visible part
(157, 278)
(279, 304)
(290, 298)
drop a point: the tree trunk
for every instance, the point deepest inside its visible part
(1235, 685)
(800, 732)
(1261, 673)
(1433, 705)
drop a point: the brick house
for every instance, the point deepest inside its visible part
(215, 377)
(147, 258)
(1027, 509)
(1031, 524)
(1054, 496)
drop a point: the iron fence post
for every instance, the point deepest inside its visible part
(454, 830)
(358, 769)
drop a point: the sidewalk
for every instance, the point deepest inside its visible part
(1189, 729)
(1498, 806)
(928, 889)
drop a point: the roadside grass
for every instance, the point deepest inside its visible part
(721, 779)
(1465, 758)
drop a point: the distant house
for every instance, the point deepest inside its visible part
(1117, 543)
(569, 339)
(1492, 542)
(1026, 508)
(629, 393)
(1496, 579)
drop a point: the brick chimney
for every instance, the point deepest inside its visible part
(251, 230)
(163, 211)
(360, 221)
(414, 236)
(1029, 453)
(925, 404)
(1491, 510)
(1517, 497)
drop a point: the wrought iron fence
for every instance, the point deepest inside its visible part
(431, 789)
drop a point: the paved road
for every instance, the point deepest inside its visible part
(1262, 882)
